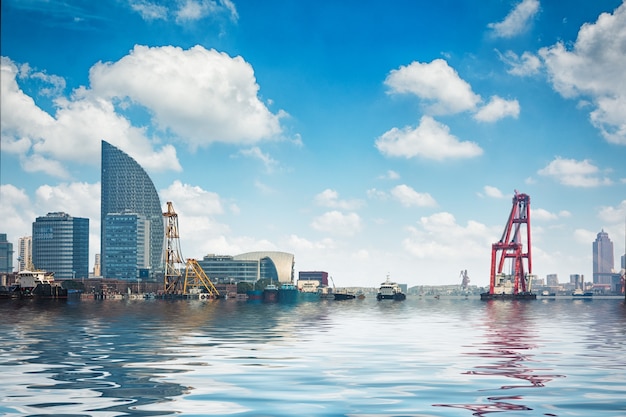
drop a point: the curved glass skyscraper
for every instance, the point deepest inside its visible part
(126, 188)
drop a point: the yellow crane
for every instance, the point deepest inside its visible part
(183, 278)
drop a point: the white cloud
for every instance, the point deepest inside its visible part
(192, 200)
(584, 236)
(390, 175)
(498, 108)
(376, 194)
(408, 197)
(574, 173)
(438, 236)
(430, 140)
(437, 82)
(256, 153)
(73, 134)
(330, 198)
(522, 66)
(335, 222)
(493, 192)
(220, 93)
(593, 71)
(542, 214)
(611, 214)
(517, 20)
(149, 11)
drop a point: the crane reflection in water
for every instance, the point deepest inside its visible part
(507, 346)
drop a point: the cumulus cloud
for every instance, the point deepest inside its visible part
(330, 198)
(436, 82)
(592, 70)
(338, 223)
(430, 140)
(493, 192)
(517, 20)
(610, 214)
(438, 236)
(526, 65)
(408, 197)
(73, 134)
(256, 153)
(217, 94)
(498, 108)
(574, 173)
(149, 11)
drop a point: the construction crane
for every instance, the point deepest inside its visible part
(173, 258)
(182, 278)
(515, 238)
(465, 280)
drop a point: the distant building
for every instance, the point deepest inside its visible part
(25, 252)
(320, 276)
(250, 267)
(603, 262)
(552, 280)
(127, 239)
(125, 187)
(61, 245)
(96, 266)
(6, 254)
(577, 280)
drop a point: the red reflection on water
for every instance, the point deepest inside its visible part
(508, 339)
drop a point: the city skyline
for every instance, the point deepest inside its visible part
(365, 139)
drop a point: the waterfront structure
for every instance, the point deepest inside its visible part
(126, 187)
(6, 254)
(552, 280)
(127, 240)
(24, 252)
(306, 276)
(250, 267)
(603, 262)
(61, 245)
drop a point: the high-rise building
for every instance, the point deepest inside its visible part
(552, 280)
(6, 254)
(25, 253)
(603, 262)
(96, 266)
(125, 187)
(61, 245)
(128, 245)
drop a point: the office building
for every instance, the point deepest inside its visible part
(61, 245)
(96, 266)
(6, 254)
(125, 187)
(250, 267)
(603, 262)
(552, 280)
(127, 240)
(25, 253)
(321, 277)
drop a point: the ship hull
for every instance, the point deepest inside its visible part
(520, 296)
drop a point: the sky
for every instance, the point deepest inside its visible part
(368, 138)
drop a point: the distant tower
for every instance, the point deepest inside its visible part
(603, 262)
(96, 266)
(125, 186)
(6, 254)
(61, 245)
(552, 280)
(25, 252)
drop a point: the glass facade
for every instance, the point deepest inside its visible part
(603, 261)
(61, 245)
(226, 269)
(127, 239)
(6, 254)
(125, 186)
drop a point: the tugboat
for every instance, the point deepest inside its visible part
(270, 294)
(390, 291)
(34, 284)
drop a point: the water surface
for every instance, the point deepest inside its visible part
(419, 357)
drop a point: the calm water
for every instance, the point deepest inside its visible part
(420, 357)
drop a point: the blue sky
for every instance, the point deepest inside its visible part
(367, 138)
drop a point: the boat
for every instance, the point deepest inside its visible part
(34, 284)
(580, 293)
(270, 294)
(287, 293)
(390, 291)
(546, 293)
(344, 295)
(310, 291)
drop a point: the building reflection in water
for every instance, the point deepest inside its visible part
(508, 342)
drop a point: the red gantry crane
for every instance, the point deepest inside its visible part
(516, 237)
